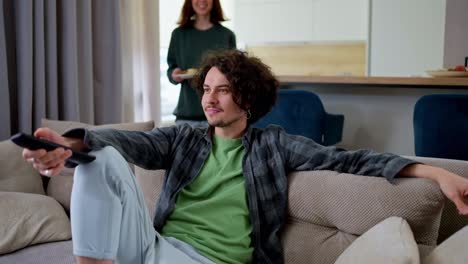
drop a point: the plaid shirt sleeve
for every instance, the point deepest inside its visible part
(149, 150)
(302, 153)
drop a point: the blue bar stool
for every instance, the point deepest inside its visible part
(440, 123)
(302, 113)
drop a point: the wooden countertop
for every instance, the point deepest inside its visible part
(377, 81)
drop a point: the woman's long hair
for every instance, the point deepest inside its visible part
(185, 19)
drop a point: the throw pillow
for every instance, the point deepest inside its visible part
(17, 175)
(452, 250)
(28, 219)
(390, 241)
(60, 186)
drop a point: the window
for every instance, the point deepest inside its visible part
(169, 91)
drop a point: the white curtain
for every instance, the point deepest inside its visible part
(140, 60)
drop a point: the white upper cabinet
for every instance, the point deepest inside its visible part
(289, 21)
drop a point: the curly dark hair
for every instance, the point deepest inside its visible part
(253, 85)
(185, 19)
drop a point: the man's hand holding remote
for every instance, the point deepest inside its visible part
(51, 163)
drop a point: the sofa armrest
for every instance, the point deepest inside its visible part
(451, 221)
(328, 211)
(353, 203)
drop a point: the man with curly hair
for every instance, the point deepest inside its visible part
(224, 198)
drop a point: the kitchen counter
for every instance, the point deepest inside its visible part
(415, 82)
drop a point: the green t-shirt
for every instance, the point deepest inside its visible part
(211, 213)
(186, 49)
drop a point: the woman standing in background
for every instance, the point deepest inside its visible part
(199, 31)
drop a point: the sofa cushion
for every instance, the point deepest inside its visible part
(390, 241)
(452, 250)
(425, 250)
(29, 219)
(60, 186)
(329, 210)
(17, 174)
(47, 253)
(151, 182)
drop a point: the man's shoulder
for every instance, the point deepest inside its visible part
(276, 134)
(271, 131)
(186, 130)
(272, 128)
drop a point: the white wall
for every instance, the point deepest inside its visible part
(169, 11)
(342, 20)
(270, 21)
(406, 36)
(456, 33)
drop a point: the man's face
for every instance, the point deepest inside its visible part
(218, 104)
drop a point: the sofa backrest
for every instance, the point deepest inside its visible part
(329, 210)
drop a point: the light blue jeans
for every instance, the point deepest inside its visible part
(110, 220)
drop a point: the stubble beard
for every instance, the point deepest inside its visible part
(222, 123)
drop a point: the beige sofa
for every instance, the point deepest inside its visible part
(327, 210)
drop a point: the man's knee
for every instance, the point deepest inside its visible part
(106, 155)
(108, 162)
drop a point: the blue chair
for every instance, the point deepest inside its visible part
(302, 113)
(440, 123)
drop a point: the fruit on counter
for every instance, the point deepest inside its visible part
(458, 68)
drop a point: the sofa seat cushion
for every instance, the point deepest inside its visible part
(28, 219)
(390, 241)
(47, 253)
(328, 211)
(17, 175)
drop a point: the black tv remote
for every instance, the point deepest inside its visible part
(34, 143)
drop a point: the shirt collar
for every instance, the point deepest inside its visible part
(246, 138)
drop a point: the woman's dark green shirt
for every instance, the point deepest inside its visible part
(186, 49)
